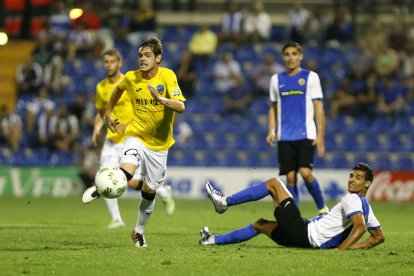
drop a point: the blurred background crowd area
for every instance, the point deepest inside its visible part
(223, 55)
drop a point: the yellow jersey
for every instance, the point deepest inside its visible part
(123, 110)
(153, 122)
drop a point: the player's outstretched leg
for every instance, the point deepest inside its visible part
(218, 199)
(90, 195)
(237, 236)
(222, 202)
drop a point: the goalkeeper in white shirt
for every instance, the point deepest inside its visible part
(340, 228)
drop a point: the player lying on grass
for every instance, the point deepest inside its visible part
(340, 228)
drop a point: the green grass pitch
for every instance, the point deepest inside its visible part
(45, 236)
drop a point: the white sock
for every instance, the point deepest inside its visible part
(163, 193)
(113, 208)
(145, 210)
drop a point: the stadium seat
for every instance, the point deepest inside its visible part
(382, 163)
(339, 161)
(404, 163)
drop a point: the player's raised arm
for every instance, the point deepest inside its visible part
(175, 105)
(110, 121)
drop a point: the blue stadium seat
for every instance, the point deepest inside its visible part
(259, 106)
(339, 161)
(404, 163)
(382, 163)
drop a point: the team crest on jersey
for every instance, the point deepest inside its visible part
(160, 88)
(176, 92)
(301, 81)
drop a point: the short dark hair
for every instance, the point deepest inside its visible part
(154, 44)
(292, 44)
(113, 52)
(369, 172)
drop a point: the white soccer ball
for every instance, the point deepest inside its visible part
(111, 182)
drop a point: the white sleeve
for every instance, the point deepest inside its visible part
(314, 86)
(351, 203)
(274, 88)
(373, 223)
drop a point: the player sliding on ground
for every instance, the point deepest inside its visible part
(340, 228)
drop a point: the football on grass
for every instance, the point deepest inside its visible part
(111, 182)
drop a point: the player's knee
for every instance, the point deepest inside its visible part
(127, 174)
(271, 186)
(148, 196)
(306, 173)
(259, 224)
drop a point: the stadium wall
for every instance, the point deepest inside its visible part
(189, 182)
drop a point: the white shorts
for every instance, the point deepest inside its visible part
(111, 156)
(151, 164)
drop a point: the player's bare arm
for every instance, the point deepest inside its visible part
(110, 121)
(272, 120)
(99, 121)
(376, 237)
(358, 230)
(175, 105)
(320, 124)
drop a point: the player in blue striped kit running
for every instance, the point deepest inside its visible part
(296, 97)
(340, 228)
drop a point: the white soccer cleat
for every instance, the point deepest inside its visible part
(169, 202)
(116, 224)
(206, 237)
(218, 199)
(90, 195)
(138, 239)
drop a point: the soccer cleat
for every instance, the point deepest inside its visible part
(116, 224)
(206, 237)
(218, 199)
(324, 210)
(90, 195)
(169, 202)
(138, 239)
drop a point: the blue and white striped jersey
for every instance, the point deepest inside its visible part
(294, 96)
(331, 229)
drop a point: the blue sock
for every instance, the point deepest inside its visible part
(236, 236)
(316, 193)
(251, 193)
(294, 191)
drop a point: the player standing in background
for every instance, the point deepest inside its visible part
(296, 98)
(340, 228)
(155, 92)
(112, 148)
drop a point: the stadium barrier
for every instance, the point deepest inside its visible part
(188, 182)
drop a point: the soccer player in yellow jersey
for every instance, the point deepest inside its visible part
(156, 96)
(112, 148)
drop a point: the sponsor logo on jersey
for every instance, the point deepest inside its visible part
(176, 92)
(301, 81)
(291, 93)
(139, 89)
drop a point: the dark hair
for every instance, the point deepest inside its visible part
(369, 173)
(292, 44)
(113, 52)
(154, 44)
